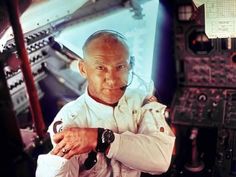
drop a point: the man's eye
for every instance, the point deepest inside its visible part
(121, 67)
(100, 68)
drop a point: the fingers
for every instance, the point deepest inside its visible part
(149, 99)
(58, 137)
(70, 154)
(63, 147)
(64, 151)
(74, 141)
(58, 149)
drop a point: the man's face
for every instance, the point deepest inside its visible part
(106, 67)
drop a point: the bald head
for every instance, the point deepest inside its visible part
(105, 40)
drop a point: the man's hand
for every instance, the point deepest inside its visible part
(74, 141)
(149, 99)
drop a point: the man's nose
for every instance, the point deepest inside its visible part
(111, 78)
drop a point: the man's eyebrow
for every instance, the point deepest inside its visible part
(93, 60)
(122, 62)
(98, 62)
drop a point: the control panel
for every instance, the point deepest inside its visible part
(205, 107)
(46, 61)
(206, 72)
(225, 162)
(204, 62)
(205, 98)
(37, 45)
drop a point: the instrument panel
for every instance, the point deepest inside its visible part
(205, 107)
(36, 44)
(205, 97)
(44, 61)
(205, 72)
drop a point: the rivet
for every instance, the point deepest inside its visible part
(162, 129)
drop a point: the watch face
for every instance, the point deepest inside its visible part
(108, 136)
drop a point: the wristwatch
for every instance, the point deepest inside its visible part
(105, 138)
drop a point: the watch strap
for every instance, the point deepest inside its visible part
(102, 145)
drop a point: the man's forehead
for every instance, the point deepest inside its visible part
(106, 58)
(99, 48)
(105, 41)
(105, 34)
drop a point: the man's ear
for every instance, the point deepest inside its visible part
(82, 68)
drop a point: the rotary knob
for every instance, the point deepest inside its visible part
(202, 97)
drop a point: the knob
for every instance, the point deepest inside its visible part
(202, 97)
(220, 157)
(44, 52)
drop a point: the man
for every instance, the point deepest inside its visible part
(110, 130)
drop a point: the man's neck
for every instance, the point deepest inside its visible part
(101, 101)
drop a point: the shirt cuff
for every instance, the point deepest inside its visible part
(49, 165)
(55, 166)
(114, 147)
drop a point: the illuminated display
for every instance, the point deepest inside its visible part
(185, 12)
(199, 43)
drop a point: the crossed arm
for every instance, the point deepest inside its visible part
(74, 141)
(152, 142)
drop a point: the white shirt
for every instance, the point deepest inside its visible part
(139, 145)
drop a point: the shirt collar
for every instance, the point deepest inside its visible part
(96, 106)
